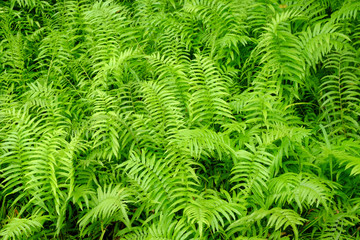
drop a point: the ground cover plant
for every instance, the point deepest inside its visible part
(179, 119)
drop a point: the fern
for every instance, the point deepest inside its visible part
(280, 50)
(208, 209)
(190, 119)
(284, 218)
(251, 172)
(202, 142)
(108, 205)
(161, 229)
(163, 108)
(302, 190)
(340, 93)
(161, 187)
(214, 15)
(209, 90)
(22, 228)
(17, 149)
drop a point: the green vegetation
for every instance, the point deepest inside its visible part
(179, 119)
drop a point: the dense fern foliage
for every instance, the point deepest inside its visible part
(179, 119)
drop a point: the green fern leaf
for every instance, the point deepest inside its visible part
(22, 228)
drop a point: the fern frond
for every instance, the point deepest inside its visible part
(319, 40)
(173, 72)
(208, 93)
(159, 185)
(335, 224)
(202, 142)
(251, 172)
(17, 149)
(54, 56)
(280, 49)
(282, 218)
(346, 155)
(109, 204)
(243, 225)
(13, 60)
(262, 108)
(349, 10)
(340, 93)
(303, 189)
(110, 131)
(30, 5)
(174, 33)
(223, 23)
(44, 171)
(163, 107)
(209, 210)
(165, 228)
(69, 16)
(22, 228)
(130, 98)
(312, 11)
(108, 32)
